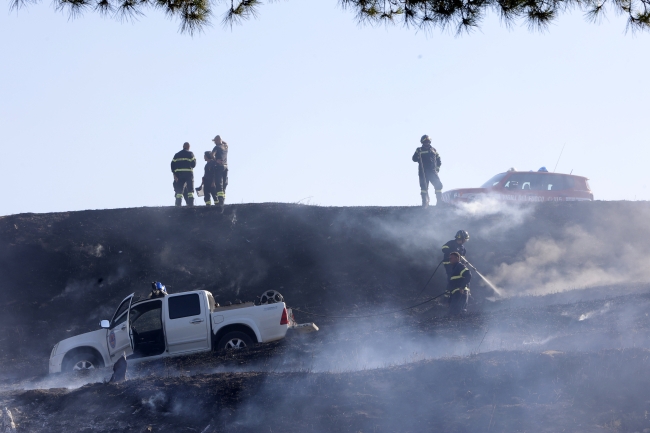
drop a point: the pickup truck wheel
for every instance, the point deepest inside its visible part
(234, 340)
(82, 361)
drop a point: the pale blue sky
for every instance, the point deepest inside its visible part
(312, 105)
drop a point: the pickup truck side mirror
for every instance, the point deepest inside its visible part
(105, 324)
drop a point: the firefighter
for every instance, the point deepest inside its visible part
(182, 168)
(457, 245)
(458, 285)
(209, 176)
(429, 163)
(158, 290)
(221, 177)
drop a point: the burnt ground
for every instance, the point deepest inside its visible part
(572, 358)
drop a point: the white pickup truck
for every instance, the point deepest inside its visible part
(177, 324)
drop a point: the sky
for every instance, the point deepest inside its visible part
(316, 109)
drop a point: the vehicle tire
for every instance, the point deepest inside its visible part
(234, 340)
(82, 360)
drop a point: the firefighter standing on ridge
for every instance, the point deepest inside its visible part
(454, 245)
(209, 177)
(458, 285)
(429, 163)
(220, 152)
(182, 165)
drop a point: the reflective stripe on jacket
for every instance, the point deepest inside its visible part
(430, 157)
(459, 278)
(449, 248)
(183, 161)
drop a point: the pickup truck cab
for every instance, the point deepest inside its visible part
(526, 186)
(176, 324)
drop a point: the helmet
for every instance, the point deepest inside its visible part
(543, 169)
(160, 286)
(462, 234)
(424, 137)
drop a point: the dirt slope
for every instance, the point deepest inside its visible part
(61, 273)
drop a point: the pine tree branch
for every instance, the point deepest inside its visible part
(463, 16)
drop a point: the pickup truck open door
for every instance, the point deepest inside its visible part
(118, 335)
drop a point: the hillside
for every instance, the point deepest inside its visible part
(574, 313)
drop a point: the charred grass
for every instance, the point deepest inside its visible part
(572, 361)
(514, 392)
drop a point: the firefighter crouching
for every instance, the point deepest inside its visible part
(454, 245)
(429, 163)
(182, 168)
(458, 285)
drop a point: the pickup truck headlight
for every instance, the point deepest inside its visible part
(54, 350)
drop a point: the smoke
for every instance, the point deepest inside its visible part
(155, 402)
(505, 215)
(412, 371)
(593, 313)
(577, 259)
(68, 381)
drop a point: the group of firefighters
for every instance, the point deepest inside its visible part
(215, 181)
(215, 177)
(458, 275)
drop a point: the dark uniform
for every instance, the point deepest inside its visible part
(458, 288)
(182, 167)
(119, 369)
(429, 163)
(449, 248)
(209, 185)
(221, 177)
(158, 290)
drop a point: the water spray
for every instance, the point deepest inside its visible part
(492, 286)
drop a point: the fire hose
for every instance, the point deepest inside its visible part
(388, 312)
(492, 286)
(434, 272)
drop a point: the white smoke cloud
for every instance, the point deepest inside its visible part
(579, 259)
(509, 215)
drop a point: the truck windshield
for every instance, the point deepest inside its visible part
(494, 180)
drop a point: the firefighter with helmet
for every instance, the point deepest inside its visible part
(429, 163)
(454, 245)
(158, 290)
(182, 167)
(220, 152)
(458, 285)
